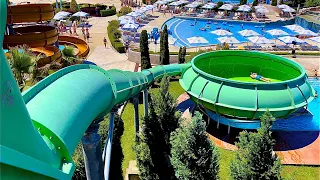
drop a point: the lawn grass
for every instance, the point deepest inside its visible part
(226, 156)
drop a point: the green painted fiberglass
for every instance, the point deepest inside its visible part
(220, 81)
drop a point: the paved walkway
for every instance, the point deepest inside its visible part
(108, 58)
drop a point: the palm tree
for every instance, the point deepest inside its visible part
(68, 56)
(22, 62)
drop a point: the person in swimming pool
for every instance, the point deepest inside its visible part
(258, 77)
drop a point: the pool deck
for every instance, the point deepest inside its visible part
(293, 148)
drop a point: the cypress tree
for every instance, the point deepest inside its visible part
(193, 154)
(164, 47)
(255, 158)
(144, 49)
(182, 55)
(74, 6)
(153, 144)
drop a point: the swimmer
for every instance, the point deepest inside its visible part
(209, 22)
(192, 24)
(202, 29)
(208, 27)
(316, 94)
(218, 27)
(242, 26)
(258, 77)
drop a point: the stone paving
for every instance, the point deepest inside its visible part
(108, 58)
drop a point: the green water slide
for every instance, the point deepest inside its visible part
(41, 128)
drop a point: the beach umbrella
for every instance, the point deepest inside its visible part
(226, 7)
(294, 27)
(244, 8)
(283, 6)
(197, 40)
(130, 26)
(248, 32)
(192, 5)
(150, 7)
(288, 10)
(171, 40)
(168, 1)
(259, 40)
(145, 9)
(290, 39)
(131, 21)
(315, 39)
(277, 32)
(140, 11)
(229, 40)
(125, 18)
(212, 4)
(306, 32)
(207, 6)
(177, 3)
(61, 15)
(80, 14)
(134, 14)
(221, 32)
(161, 2)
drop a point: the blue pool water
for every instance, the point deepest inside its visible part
(61, 47)
(303, 122)
(181, 30)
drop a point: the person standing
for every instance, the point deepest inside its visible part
(105, 42)
(88, 36)
(83, 31)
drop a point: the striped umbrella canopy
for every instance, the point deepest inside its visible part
(290, 39)
(306, 32)
(277, 32)
(248, 32)
(315, 39)
(259, 40)
(221, 32)
(229, 40)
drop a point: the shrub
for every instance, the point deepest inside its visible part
(108, 12)
(74, 18)
(225, 46)
(124, 10)
(255, 3)
(114, 34)
(74, 6)
(274, 2)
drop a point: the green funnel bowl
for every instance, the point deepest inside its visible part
(220, 81)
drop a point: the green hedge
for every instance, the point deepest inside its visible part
(108, 12)
(115, 42)
(124, 10)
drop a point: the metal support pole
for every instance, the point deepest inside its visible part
(108, 146)
(228, 129)
(218, 122)
(91, 146)
(136, 113)
(145, 102)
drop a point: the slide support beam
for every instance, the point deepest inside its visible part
(136, 113)
(108, 147)
(145, 102)
(91, 145)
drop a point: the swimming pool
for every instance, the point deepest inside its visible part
(181, 30)
(303, 122)
(61, 47)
